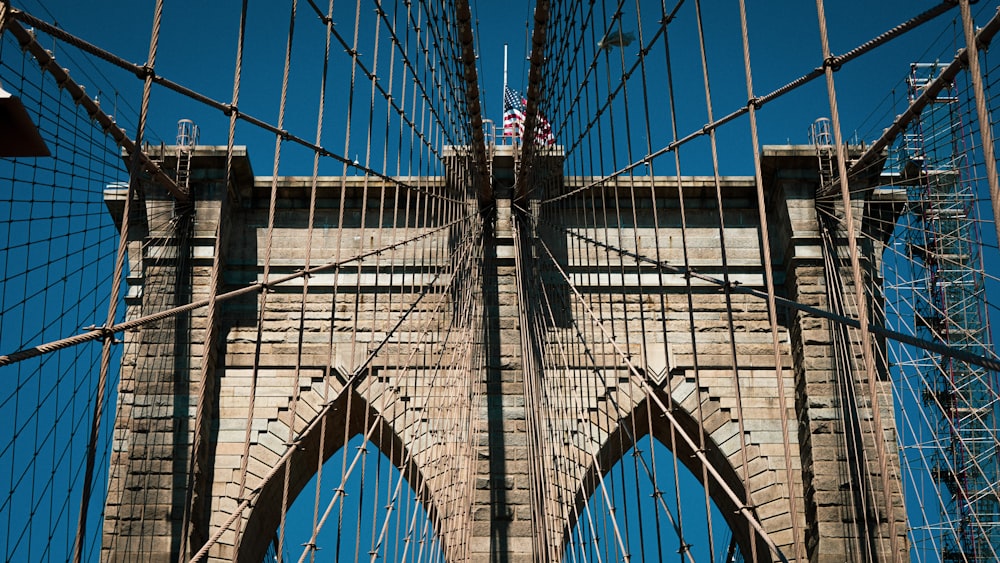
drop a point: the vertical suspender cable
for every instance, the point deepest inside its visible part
(81, 529)
(772, 312)
(859, 289)
(985, 125)
(134, 167)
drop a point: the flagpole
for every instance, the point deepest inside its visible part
(503, 100)
(505, 67)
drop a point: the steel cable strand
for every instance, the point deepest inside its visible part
(685, 254)
(772, 312)
(874, 392)
(268, 249)
(983, 361)
(613, 94)
(572, 50)
(115, 287)
(357, 377)
(371, 76)
(378, 269)
(676, 143)
(61, 76)
(247, 502)
(743, 509)
(627, 432)
(621, 543)
(210, 350)
(859, 477)
(538, 469)
(636, 457)
(296, 387)
(572, 404)
(351, 382)
(227, 109)
(98, 333)
(626, 554)
(439, 62)
(393, 331)
(230, 145)
(349, 122)
(135, 377)
(688, 285)
(561, 407)
(847, 348)
(589, 217)
(25, 428)
(677, 524)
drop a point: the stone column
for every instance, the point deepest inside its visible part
(170, 254)
(502, 527)
(842, 485)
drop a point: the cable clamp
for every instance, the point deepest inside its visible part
(832, 62)
(105, 331)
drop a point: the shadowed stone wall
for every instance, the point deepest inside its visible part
(381, 347)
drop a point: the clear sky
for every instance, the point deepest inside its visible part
(199, 37)
(198, 46)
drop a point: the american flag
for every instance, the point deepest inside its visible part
(513, 119)
(513, 113)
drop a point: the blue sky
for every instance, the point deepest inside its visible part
(198, 52)
(198, 45)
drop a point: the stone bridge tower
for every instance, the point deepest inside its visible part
(222, 404)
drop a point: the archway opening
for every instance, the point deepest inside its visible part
(650, 507)
(357, 507)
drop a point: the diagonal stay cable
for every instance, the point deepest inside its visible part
(629, 433)
(745, 510)
(96, 333)
(62, 77)
(927, 95)
(643, 52)
(352, 380)
(834, 62)
(329, 24)
(227, 109)
(736, 287)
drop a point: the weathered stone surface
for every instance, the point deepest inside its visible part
(455, 396)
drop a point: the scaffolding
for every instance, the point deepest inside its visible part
(942, 243)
